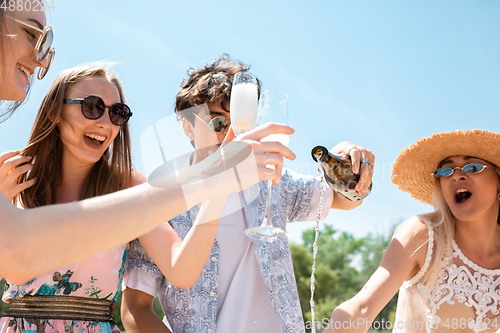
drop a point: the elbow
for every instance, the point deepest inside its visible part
(181, 278)
(183, 283)
(342, 203)
(353, 309)
(179, 275)
(353, 204)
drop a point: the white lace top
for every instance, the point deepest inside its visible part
(465, 297)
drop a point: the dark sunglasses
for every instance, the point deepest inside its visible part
(217, 124)
(471, 169)
(93, 107)
(43, 49)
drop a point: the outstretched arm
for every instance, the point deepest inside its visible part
(181, 261)
(402, 260)
(89, 227)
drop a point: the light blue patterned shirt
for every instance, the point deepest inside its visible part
(195, 309)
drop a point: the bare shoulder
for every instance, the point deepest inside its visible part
(413, 234)
(138, 178)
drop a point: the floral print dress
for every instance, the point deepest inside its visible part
(96, 277)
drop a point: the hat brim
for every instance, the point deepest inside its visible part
(413, 168)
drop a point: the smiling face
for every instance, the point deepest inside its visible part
(85, 140)
(17, 59)
(471, 196)
(205, 140)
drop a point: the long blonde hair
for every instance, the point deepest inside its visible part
(111, 173)
(444, 223)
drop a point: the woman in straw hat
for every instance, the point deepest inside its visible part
(446, 264)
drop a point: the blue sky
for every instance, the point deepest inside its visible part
(378, 73)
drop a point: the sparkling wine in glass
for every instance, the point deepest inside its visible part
(273, 107)
(243, 104)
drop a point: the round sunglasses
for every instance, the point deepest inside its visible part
(93, 108)
(43, 49)
(217, 124)
(471, 169)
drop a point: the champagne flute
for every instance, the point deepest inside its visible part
(272, 108)
(243, 104)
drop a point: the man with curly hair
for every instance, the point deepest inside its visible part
(246, 285)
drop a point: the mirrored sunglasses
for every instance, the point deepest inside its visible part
(471, 169)
(43, 49)
(217, 124)
(93, 107)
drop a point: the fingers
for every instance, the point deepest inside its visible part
(5, 156)
(12, 163)
(265, 130)
(274, 147)
(273, 160)
(356, 156)
(268, 173)
(362, 160)
(21, 170)
(366, 174)
(26, 184)
(11, 168)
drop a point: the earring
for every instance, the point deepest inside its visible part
(498, 195)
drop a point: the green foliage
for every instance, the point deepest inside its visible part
(3, 306)
(343, 265)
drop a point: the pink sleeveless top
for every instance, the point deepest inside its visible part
(96, 277)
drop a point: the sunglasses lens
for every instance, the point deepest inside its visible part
(473, 168)
(119, 114)
(92, 107)
(443, 172)
(44, 45)
(219, 124)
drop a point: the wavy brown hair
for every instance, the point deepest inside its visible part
(209, 83)
(111, 173)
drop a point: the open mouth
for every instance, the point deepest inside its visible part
(462, 195)
(94, 139)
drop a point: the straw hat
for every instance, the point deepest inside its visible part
(412, 171)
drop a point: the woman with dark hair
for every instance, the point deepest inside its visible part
(116, 218)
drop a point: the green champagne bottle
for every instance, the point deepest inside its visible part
(337, 170)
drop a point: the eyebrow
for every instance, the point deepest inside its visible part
(37, 23)
(217, 113)
(449, 161)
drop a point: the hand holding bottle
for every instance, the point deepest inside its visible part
(342, 169)
(358, 154)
